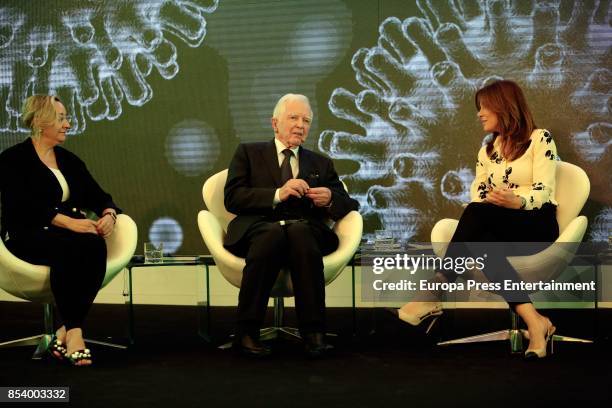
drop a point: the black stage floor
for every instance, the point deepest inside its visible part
(386, 363)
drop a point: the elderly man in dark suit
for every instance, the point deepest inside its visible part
(282, 194)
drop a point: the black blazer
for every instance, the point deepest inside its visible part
(31, 195)
(252, 180)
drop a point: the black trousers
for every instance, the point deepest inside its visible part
(267, 247)
(483, 226)
(78, 265)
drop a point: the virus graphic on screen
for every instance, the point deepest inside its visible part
(292, 49)
(601, 226)
(166, 231)
(412, 129)
(95, 55)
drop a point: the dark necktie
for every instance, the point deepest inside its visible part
(285, 167)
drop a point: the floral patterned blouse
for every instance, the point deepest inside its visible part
(531, 176)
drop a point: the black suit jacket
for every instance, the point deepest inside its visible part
(31, 195)
(252, 180)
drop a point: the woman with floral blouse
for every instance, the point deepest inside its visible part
(513, 200)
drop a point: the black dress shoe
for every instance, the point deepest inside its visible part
(251, 347)
(315, 345)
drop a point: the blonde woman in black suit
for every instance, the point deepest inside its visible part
(44, 191)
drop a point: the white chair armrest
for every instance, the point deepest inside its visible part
(120, 246)
(550, 262)
(349, 230)
(441, 235)
(212, 232)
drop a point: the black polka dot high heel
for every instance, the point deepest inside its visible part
(56, 349)
(78, 356)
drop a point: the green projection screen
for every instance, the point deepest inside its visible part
(162, 91)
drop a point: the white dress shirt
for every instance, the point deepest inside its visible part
(62, 182)
(293, 161)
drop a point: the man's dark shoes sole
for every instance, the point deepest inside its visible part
(315, 346)
(250, 347)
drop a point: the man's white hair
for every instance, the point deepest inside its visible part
(281, 105)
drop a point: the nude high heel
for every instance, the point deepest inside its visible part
(534, 354)
(433, 312)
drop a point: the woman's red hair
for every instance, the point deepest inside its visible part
(506, 99)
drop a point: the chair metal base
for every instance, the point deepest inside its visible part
(273, 333)
(514, 335)
(41, 341)
(106, 344)
(285, 332)
(278, 330)
(270, 333)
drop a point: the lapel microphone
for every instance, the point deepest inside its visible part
(313, 179)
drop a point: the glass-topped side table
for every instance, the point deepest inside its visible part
(204, 330)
